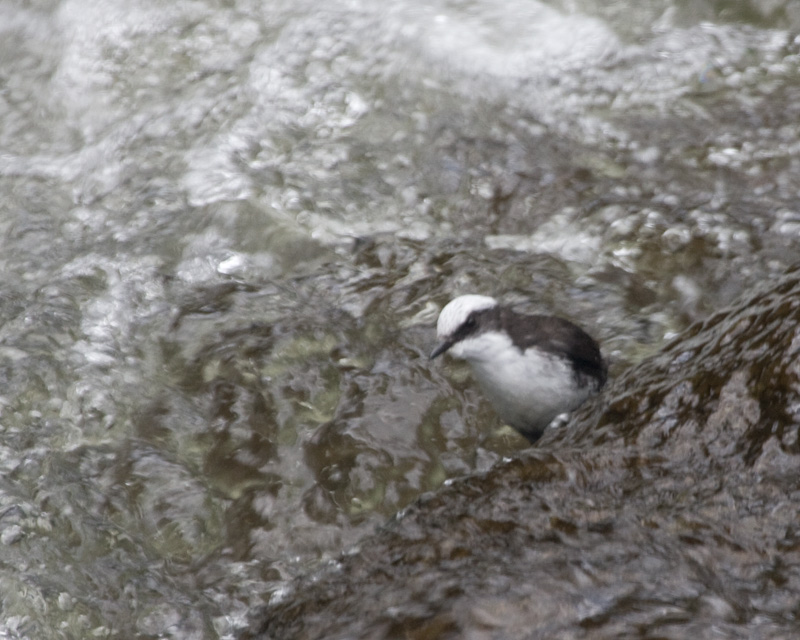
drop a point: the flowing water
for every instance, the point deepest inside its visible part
(228, 229)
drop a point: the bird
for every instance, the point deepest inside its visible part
(532, 368)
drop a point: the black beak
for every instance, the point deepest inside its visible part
(441, 349)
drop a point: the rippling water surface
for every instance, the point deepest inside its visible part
(228, 228)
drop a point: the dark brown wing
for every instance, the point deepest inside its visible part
(555, 335)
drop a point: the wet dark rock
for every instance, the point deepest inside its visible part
(667, 509)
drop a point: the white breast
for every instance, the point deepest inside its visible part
(527, 389)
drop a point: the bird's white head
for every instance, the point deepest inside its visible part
(453, 321)
(457, 311)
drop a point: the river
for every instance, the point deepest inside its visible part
(228, 228)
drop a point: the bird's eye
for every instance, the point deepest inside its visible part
(470, 321)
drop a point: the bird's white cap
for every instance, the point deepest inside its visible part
(457, 311)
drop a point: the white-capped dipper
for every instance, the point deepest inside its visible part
(532, 368)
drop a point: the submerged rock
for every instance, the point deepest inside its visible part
(668, 508)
